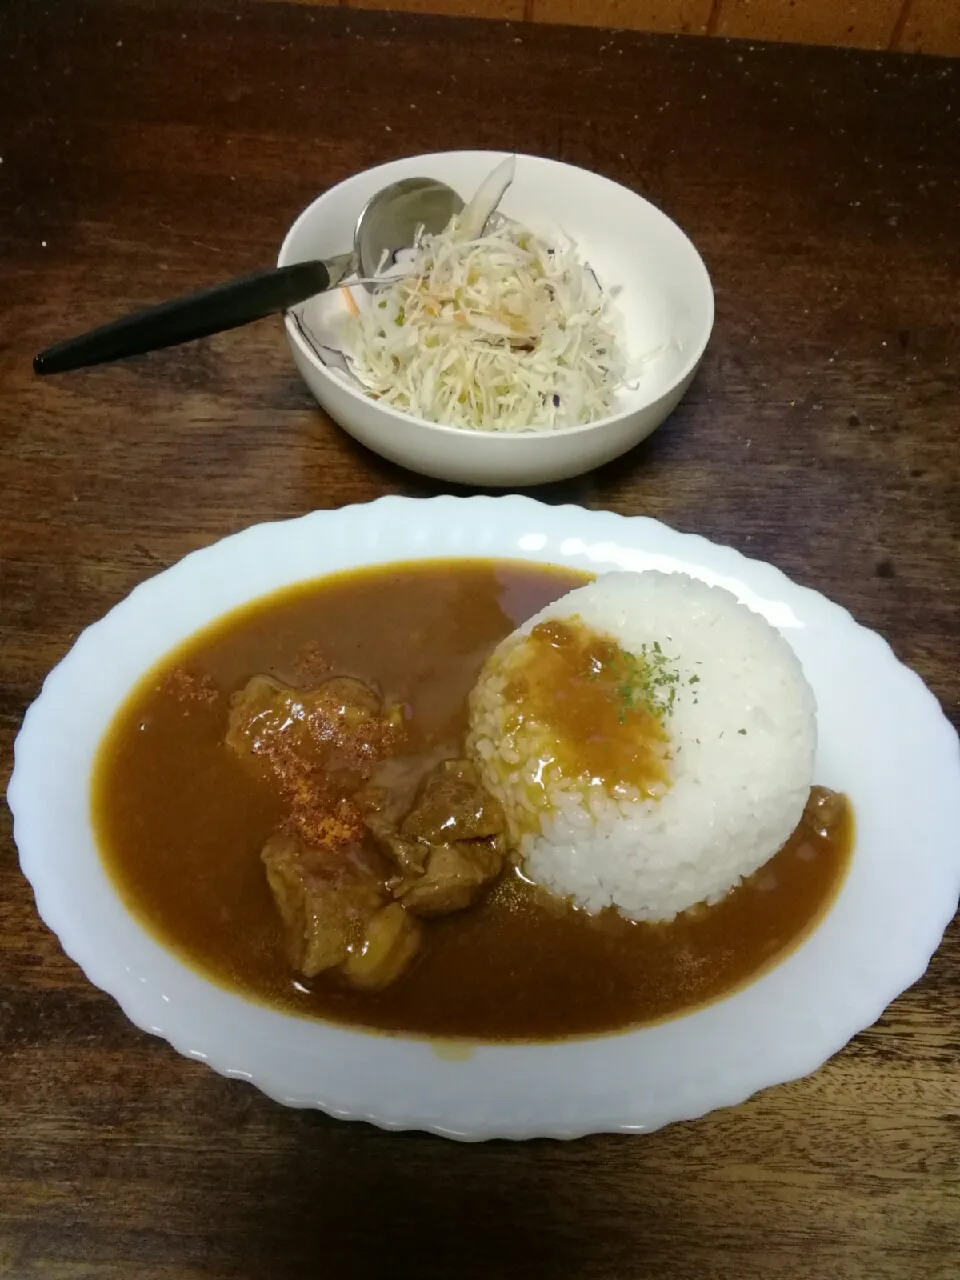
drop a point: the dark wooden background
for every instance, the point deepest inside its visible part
(148, 148)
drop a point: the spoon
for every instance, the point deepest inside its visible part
(388, 223)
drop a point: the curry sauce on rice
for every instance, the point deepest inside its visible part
(650, 739)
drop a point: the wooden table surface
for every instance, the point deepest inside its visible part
(148, 148)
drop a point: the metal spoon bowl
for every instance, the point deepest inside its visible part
(391, 220)
(388, 223)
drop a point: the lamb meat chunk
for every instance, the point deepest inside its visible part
(823, 811)
(452, 805)
(453, 877)
(390, 941)
(409, 856)
(448, 846)
(326, 899)
(394, 782)
(338, 727)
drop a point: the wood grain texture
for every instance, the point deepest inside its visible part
(919, 26)
(864, 24)
(151, 146)
(512, 10)
(930, 26)
(684, 17)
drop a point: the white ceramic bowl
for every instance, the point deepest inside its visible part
(662, 289)
(883, 740)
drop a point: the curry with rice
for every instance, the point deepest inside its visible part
(285, 802)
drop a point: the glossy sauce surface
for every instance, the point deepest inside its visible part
(601, 709)
(181, 825)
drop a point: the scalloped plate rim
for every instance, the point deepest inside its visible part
(636, 533)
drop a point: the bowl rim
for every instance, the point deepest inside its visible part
(297, 340)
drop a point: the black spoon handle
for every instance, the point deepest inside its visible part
(225, 306)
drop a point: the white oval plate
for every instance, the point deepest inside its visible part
(884, 741)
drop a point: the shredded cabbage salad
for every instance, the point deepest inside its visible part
(501, 331)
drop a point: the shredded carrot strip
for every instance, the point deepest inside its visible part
(348, 299)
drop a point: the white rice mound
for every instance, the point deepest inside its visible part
(743, 739)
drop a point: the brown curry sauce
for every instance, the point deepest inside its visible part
(181, 825)
(600, 722)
